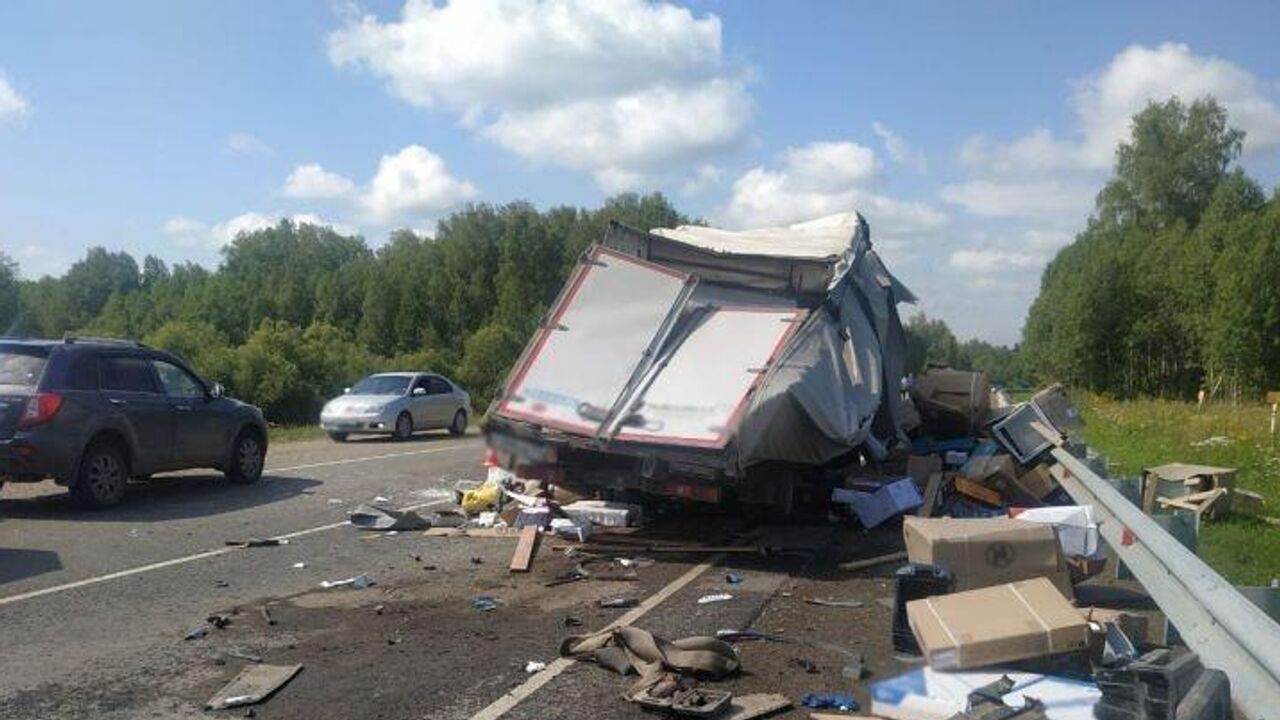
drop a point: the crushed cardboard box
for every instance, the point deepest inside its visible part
(1017, 621)
(988, 551)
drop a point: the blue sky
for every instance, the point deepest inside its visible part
(972, 137)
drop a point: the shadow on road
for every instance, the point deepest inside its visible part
(162, 498)
(418, 437)
(20, 564)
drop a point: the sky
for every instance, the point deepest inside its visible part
(973, 137)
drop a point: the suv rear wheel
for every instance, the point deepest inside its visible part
(247, 457)
(102, 477)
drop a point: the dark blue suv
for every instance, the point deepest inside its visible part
(92, 413)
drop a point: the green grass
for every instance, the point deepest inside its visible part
(295, 433)
(1144, 433)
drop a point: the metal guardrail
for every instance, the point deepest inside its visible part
(1228, 631)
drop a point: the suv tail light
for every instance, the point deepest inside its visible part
(41, 408)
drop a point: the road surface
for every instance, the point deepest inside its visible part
(94, 605)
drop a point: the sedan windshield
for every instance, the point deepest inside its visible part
(381, 385)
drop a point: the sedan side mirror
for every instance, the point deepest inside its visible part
(216, 391)
(419, 391)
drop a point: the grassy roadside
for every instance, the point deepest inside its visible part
(295, 433)
(1143, 433)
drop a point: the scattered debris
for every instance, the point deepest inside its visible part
(299, 565)
(755, 705)
(730, 635)
(733, 579)
(244, 656)
(534, 666)
(602, 513)
(831, 701)
(218, 621)
(257, 542)
(806, 665)
(369, 517)
(359, 582)
(888, 500)
(619, 602)
(484, 603)
(854, 669)
(632, 649)
(714, 598)
(197, 633)
(927, 694)
(266, 615)
(572, 621)
(254, 684)
(874, 561)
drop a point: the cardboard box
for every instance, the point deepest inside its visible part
(1017, 621)
(1036, 482)
(987, 551)
(873, 508)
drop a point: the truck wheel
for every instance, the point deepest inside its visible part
(247, 456)
(404, 427)
(338, 436)
(459, 425)
(102, 477)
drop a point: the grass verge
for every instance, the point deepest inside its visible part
(1135, 434)
(295, 433)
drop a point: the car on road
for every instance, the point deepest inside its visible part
(92, 413)
(397, 404)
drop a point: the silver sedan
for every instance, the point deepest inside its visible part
(397, 404)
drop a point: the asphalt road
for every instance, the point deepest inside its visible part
(94, 605)
(85, 596)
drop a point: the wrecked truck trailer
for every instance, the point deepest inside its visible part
(707, 364)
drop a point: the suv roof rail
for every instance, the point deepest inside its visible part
(70, 339)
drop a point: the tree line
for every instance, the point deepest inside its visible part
(1174, 284)
(296, 312)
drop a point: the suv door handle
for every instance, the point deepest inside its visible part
(117, 401)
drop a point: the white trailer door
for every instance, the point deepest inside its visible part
(597, 336)
(700, 395)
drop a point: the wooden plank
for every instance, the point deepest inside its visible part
(470, 532)
(978, 492)
(522, 558)
(930, 495)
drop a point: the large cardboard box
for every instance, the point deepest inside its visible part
(988, 551)
(1016, 621)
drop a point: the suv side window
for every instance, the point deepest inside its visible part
(80, 372)
(126, 373)
(176, 381)
(438, 386)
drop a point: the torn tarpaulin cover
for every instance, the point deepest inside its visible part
(629, 649)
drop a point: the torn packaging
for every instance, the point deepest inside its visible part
(926, 694)
(981, 552)
(629, 649)
(1018, 621)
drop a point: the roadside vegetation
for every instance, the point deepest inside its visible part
(1135, 434)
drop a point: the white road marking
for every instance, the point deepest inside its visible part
(351, 461)
(220, 551)
(502, 705)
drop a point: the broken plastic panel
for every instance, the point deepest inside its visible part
(688, 405)
(598, 334)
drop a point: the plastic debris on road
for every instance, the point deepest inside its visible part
(484, 603)
(834, 701)
(358, 582)
(534, 666)
(714, 598)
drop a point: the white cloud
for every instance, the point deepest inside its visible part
(819, 179)
(988, 260)
(409, 185)
(196, 234)
(1104, 104)
(411, 182)
(619, 89)
(899, 149)
(12, 104)
(311, 181)
(243, 143)
(1050, 199)
(703, 179)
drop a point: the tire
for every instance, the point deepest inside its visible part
(248, 455)
(102, 477)
(404, 427)
(338, 436)
(459, 424)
